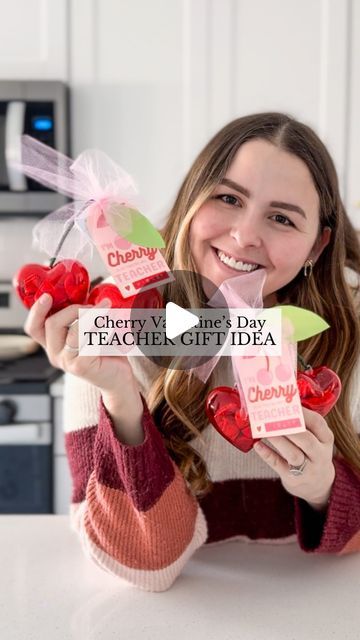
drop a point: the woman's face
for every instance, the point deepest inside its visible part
(265, 212)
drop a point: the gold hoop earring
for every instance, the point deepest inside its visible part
(308, 268)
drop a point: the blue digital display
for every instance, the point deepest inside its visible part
(42, 123)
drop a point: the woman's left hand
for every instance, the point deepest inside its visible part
(317, 443)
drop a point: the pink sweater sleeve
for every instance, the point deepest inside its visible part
(337, 529)
(131, 507)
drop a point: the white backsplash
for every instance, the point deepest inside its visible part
(16, 249)
(15, 246)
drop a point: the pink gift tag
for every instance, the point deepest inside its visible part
(271, 393)
(133, 267)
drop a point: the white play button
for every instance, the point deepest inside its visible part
(178, 320)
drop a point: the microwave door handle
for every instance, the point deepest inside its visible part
(14, 127)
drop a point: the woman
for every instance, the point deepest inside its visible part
(152, 481)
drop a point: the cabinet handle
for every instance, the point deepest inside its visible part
(33, 433)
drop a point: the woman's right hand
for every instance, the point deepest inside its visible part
(112, 374)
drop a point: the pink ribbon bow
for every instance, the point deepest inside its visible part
(240, 292)
(92, 177)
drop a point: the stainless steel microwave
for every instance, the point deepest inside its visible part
(40, 109)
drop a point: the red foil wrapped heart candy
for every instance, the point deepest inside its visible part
(319, 389)
(230, 419)
(67, 282)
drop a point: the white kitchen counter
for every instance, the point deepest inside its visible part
(232, 591)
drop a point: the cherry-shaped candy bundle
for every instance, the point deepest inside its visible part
(319, 388)
(67, 281)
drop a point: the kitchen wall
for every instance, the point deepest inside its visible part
(169, 74)
(152, 80)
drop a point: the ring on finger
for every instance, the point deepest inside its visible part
(298, 470)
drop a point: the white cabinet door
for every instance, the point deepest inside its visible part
(353, 121)
(62, 485)
(59, 436)
(152, 81)
(33, 40)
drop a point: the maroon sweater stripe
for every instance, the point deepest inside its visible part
(253, 508)
(331, 531)
(79, 446)
(143, 472)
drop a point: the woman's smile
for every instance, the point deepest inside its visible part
(232, 264)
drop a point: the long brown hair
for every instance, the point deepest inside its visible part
(178, 398)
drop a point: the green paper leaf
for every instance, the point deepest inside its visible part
(306, 323)
(141, 232)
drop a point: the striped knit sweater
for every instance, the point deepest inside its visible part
(137, 518)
